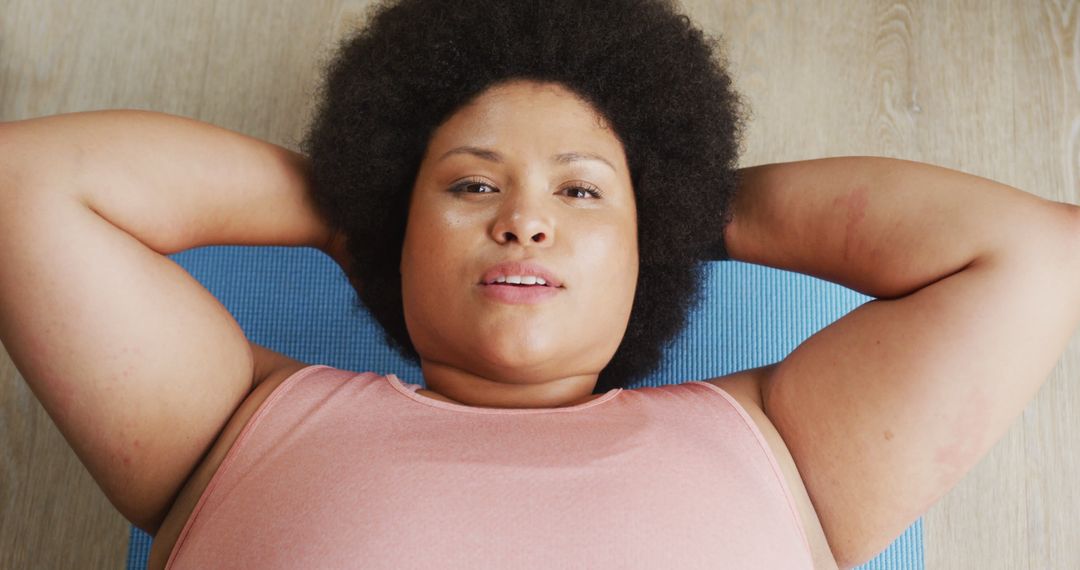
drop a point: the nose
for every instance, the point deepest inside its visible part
(523, 219)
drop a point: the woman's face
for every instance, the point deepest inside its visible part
(518, 203)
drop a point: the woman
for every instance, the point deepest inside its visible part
(597, 146)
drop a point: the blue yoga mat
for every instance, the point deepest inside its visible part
(297, 301)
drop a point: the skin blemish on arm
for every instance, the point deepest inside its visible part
(856, 203)
(966, 441)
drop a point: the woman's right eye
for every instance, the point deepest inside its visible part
(471, 184)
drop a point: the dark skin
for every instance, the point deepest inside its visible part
(480, 352)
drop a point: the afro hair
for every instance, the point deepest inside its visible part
(658, 82)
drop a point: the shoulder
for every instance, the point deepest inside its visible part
(271, 365)
(745, 387)
(271, 369)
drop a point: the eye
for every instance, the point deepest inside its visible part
(470, 183)
(583, 188)
(587, 188)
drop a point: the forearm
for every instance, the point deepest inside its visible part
(883, 227)
(171, 182)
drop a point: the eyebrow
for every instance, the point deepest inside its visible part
(493, 156)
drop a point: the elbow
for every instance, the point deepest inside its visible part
(1072, 237)
(1074, 241)
(1048, 235)
(1074, 216)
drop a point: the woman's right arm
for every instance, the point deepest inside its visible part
(172, 182)
(139, 366)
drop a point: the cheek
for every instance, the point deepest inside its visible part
(612, 252)
(435, 265)
(608, 265)
(430, 238)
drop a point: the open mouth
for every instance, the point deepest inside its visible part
(516, 293)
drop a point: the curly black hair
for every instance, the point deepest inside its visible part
(659, 82)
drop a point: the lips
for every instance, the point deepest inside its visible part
(522, 268)
(514, 295)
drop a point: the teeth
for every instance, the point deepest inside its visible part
(521, 280)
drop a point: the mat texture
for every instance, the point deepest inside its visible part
(298, 302)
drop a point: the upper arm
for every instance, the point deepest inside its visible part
(138, 365)
(886, 409)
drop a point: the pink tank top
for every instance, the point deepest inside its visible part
(344, 470)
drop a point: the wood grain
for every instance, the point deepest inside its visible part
(990, 88)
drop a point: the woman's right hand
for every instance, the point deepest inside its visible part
(335, 248)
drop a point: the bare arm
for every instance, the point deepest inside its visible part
(884, 227)
(172, 182)
(886, 409)
(139, 366)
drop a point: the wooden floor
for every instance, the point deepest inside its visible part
(990, 88)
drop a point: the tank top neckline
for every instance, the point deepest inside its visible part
(409, 391)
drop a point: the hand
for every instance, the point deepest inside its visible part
(335, 248)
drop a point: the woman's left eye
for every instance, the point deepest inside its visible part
(592, 191)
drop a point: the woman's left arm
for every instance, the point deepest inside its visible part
(884, 227)
(978, 288)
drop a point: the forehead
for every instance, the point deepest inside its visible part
(528, 116)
